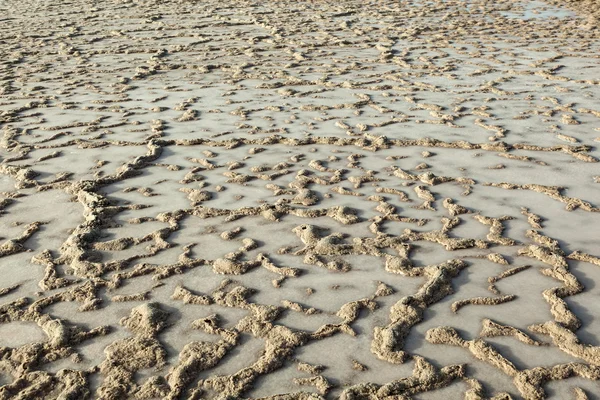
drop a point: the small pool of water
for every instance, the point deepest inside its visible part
(539, 10)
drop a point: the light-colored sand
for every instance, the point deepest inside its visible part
(300, 199)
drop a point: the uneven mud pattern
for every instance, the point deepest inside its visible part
(299, 199)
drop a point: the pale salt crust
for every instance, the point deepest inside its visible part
(299, 199)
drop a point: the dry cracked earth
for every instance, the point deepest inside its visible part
(300, 199)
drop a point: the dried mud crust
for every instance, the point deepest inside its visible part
(299, 200)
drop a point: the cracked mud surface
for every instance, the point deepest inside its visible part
(300, 200)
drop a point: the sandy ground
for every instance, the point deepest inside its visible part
(299, 199)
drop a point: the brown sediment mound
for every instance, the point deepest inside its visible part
(425, 195)
(529, 382)
(402, 196)
(486, 301)
(568, 342)
(581, 256)
(521, 158)
(497, 258)
(299, 307)
(131, 297)
(425, 377)
(533, 219)
(478, 347)
(388, 340)
(496, 230)
(319, 382)
(509, 272)
(550, 253)
(7, 290)
(358, 366)
(430, 178)
(188, 297)
(493, 329)
(280, 341)
(141, 351)
(553, 192)
(22, 175)
(580, 394)
(454, 209)
(13, 246)
(22, 362)
(280, 344)
(442, 236)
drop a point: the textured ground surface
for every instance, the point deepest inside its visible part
(299, 199)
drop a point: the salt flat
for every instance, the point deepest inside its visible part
(300, 199)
